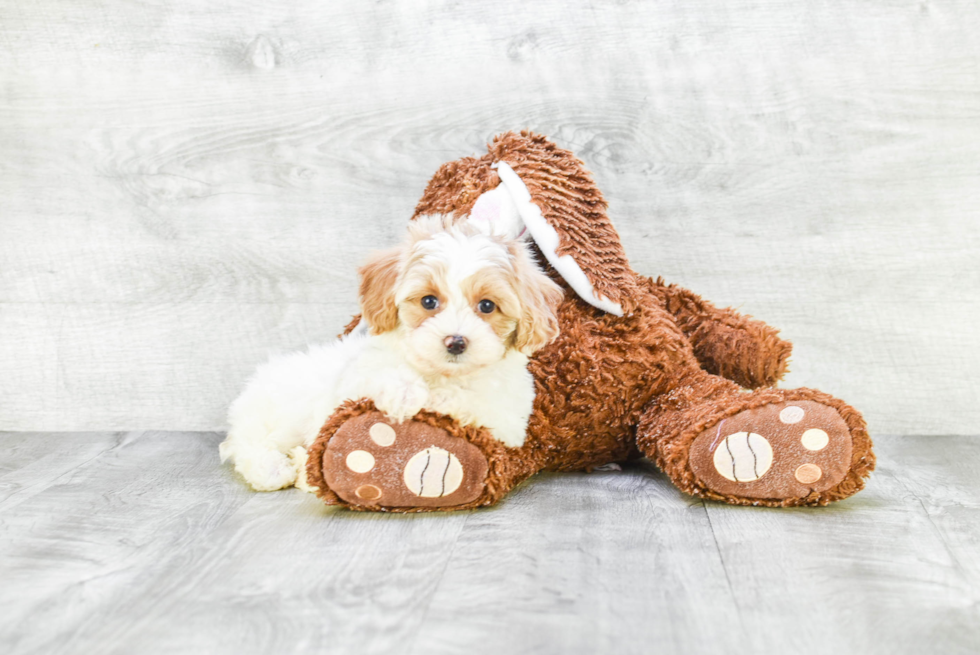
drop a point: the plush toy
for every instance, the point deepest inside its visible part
(641, 368)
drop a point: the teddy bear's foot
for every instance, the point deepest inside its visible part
(785, 450)
(372, 462)
(772, 447)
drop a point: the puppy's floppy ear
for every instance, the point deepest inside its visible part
(377, 292)
(538, 323)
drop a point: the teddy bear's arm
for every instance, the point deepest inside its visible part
(742, 349)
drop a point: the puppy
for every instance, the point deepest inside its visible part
(449, 320)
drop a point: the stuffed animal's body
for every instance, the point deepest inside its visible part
(640, 368)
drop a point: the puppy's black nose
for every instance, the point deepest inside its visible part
(455, 344)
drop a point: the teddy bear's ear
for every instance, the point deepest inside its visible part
(549, 241)
(527, 182)
(566, 215)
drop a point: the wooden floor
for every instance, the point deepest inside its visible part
(141, 543)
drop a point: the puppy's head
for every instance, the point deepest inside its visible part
(459, 298)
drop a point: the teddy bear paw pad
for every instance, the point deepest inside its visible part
(374, 461)
(778, 451)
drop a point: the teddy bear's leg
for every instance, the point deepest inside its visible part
(766, 447)
(365, 461)
(726, 343)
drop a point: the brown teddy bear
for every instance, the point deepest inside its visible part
(640, 368)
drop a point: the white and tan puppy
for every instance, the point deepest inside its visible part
(449, 320)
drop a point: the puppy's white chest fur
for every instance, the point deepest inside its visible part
(498, 396)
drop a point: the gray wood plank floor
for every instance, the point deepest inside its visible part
(141, 543)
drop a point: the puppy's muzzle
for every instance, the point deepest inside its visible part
(455, 344)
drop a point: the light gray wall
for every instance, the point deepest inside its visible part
(185, 189)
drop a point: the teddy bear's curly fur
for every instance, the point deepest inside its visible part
(674, 379)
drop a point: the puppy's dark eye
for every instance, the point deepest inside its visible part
(487, 306)
(430, 302)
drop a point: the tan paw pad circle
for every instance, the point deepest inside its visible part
(815, 439)
(360, 461)
(808, 473)
(382, 434)
(743, 457)
(368, 492)
(791, 414)
(433, 473)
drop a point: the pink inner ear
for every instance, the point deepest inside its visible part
(487, 208)
(496, 211)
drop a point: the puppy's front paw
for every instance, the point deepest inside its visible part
(401, 397)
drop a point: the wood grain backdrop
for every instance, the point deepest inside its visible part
(186, 187)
